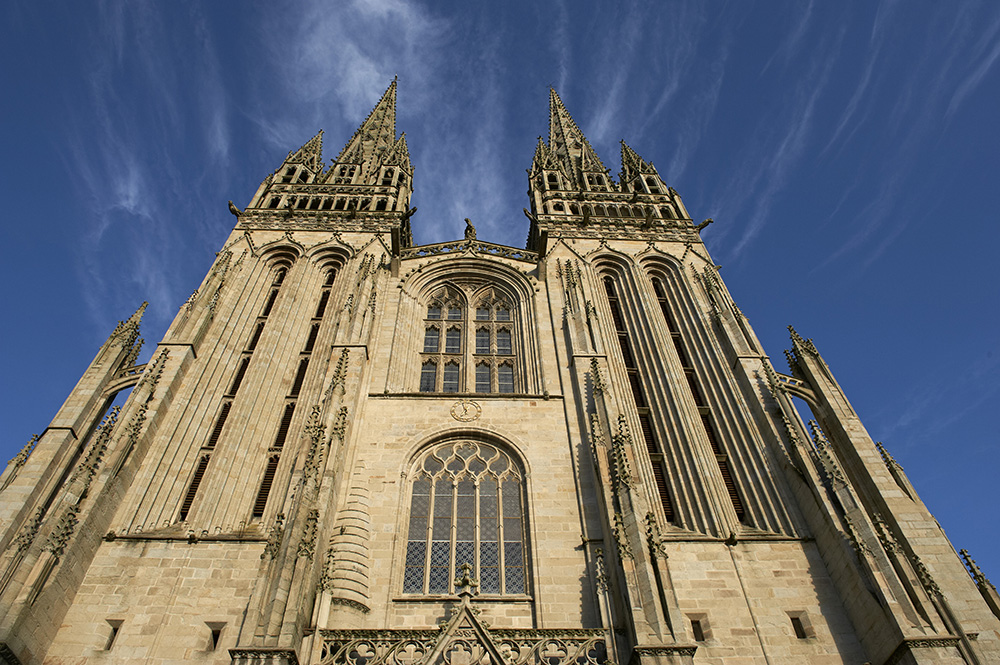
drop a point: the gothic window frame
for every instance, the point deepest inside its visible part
(453, 336)
(487, 318)
(467, 497)
(446, 315)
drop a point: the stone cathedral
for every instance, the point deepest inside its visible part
(352, 450)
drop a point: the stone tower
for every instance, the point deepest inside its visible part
(351, 450)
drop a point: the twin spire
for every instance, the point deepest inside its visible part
(373, 145)
(569, 152)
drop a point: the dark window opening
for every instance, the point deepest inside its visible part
(256, 336)
(219, 424)
(428, 377)
(300, 376)
(240, 373)
(199, 473)
(115, 625)
(697, 630)
(323, 300)
(270, 303)
(265, 488)
(800, 630)
(286, 422)
(311, 342)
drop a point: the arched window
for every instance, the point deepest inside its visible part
(445, 319)
(467, 506)
(469, 348)
(494, 346)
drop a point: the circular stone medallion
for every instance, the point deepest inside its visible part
(466, 410)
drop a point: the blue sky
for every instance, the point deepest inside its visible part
(848, 152)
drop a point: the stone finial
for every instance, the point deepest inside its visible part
(28, 532)
(339, 428)
(654, 537)
(274, 537)
(826, 458)
(60, 536)
(595, 370)
(22, 457)
(621, 537)
(602, 575)
(619, 443)
(465, 583)
(792, 361)
(133, 354)
(981, 580)
(470, 230)
(314, 430)
(307, 545)
(886, 457)
(772, 379)
(925, 576)
(885, 536)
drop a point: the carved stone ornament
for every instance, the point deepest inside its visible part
(465, 410)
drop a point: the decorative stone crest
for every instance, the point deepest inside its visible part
(29, 531)
(619, 443)
(339, 428)
(602, 575)
(19, 460)
(59, 538)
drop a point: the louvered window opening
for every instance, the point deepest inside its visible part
(467, 507)
(274, 453)
(645, 416)
(192, 491)
(237, 381)
(697, 395)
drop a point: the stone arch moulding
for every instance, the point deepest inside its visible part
(508, 445)
(281, 250)
(469, 277)
(331, 254)
(421, 282)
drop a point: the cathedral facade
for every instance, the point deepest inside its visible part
(352, 450)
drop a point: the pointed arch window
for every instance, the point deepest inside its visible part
(467, 506)
(465, 346)
(494, 346)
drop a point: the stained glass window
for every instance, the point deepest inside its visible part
(467, 506)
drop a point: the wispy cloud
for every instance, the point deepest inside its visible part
(121, 148)
(766, 171)
(985, 63)
(342, 58)
(935, 405)
(561, 44)
(791, 44)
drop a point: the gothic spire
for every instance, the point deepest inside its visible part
(377, 133)
(310, 154)
(398, 154)
(568, 143)
(633, 165)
